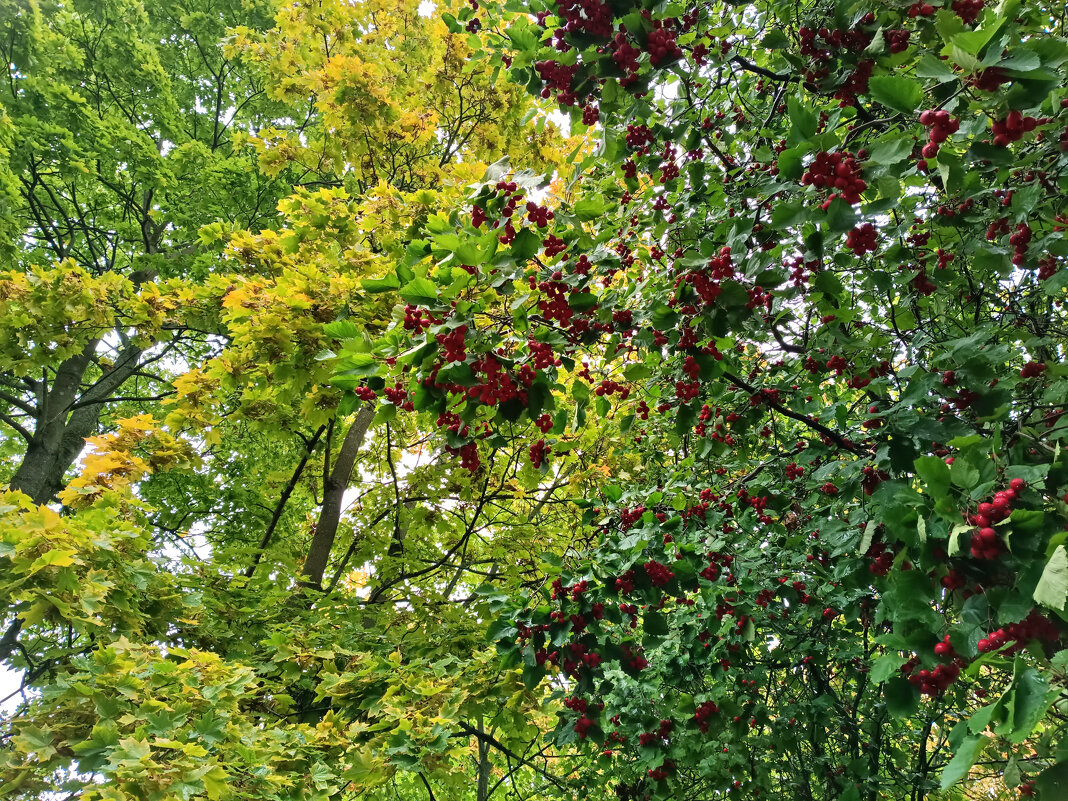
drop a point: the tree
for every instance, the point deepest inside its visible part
(741, 428)
(186, 523)
(834, 242)
(122, 123)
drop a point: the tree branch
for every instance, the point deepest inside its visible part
(283, 498)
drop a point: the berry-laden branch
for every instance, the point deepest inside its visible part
(815, 425)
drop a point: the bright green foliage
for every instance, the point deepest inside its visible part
(174, 284)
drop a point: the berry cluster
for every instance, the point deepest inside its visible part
(537, 453)
(882, 558)
(543, 354)
(496, 387)
(855, 84)
(553, 245)
(862, 239)
(639, 138)
(854, 39)
(1032, 370)
(897, 41)
(591, 17)
(990, 79)
(454, 344)
(1017, 635)
(556, 75)
(662, 47)
(661, 773)
(1012, 128)
(625, 55)
(933, 682)
(659, 574)
(583, 726)
(705, 711)
(941, 126)
(839, 171)
(968, 10)
(539, 215)
(1020, 241)
(985, 542)
(417, 320)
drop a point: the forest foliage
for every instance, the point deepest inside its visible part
(563, 398)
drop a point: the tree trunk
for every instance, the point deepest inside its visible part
(336, 484)
(483, 765)
(64, 420)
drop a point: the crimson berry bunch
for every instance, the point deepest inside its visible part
(662, 46)
(1032, 369)
(1017, 635)
(453, 344)
(968, 10)
(941, 126)
(541, 216)
(862, 239)
(985, 542)
(1012, 128)
(897, 41)
(839, 171)
(932, 682)
(1020, 240)
(658, 573)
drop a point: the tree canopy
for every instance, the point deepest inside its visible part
(556, 399)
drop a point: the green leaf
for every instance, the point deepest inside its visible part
(892, 151)
(420, 292)
(885, 667)
(1052, 780)
(775, 39)
(803, 122)
(525, 245)
(502, 628)
(933, 68)
(387, 283)
(789, 164)
(963, 472)
(935, 473)
(962, 761)
(637, 372)
(655, 623)
(590, 208)
(341, 329)
(896, 92)
(1029, 698)
(902, 698)
(785, 215)
(841, 216)
(1052, 589)
(829, 284)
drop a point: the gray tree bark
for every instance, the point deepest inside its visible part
(65, 419)
(330, 513)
